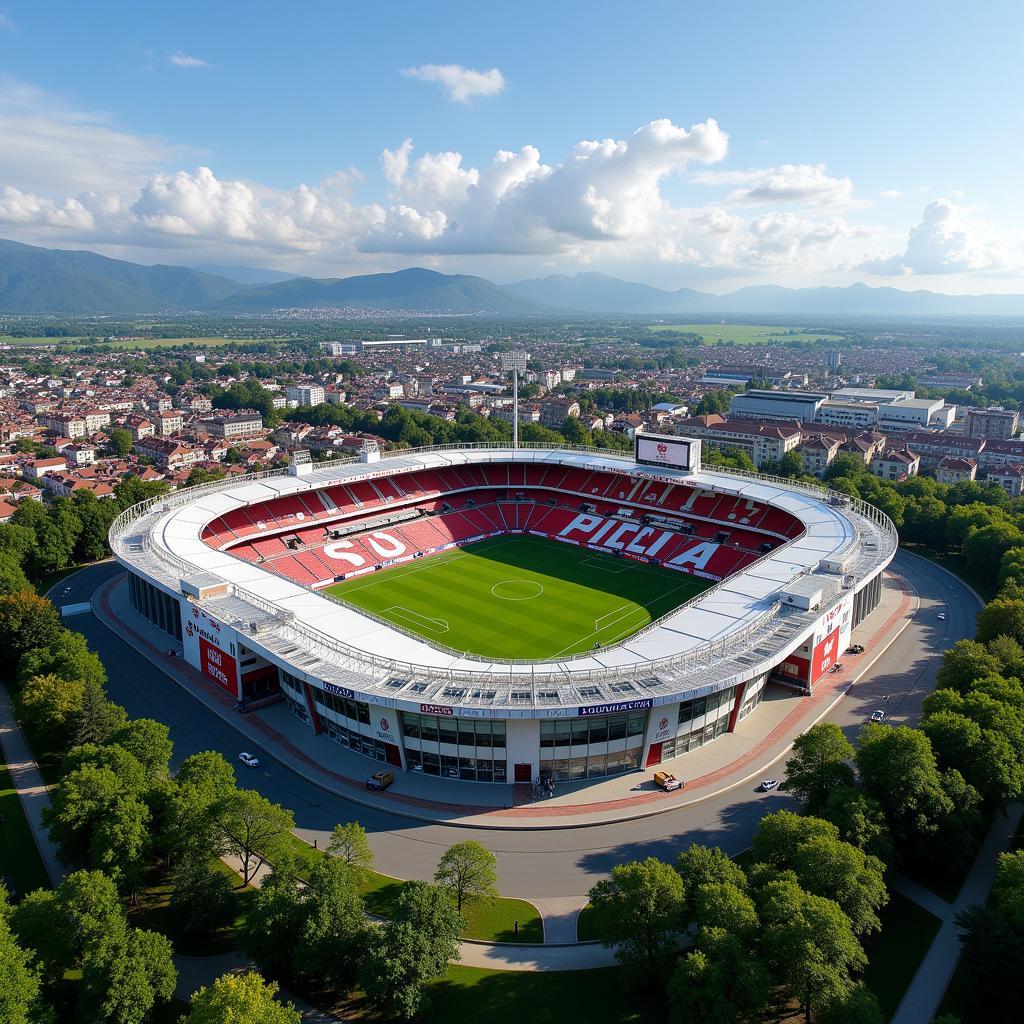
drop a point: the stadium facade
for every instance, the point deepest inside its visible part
(232, 572)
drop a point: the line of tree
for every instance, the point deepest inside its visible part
(727, 944)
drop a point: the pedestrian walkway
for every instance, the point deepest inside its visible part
(922, 998)
(28, 781)
(758, 742)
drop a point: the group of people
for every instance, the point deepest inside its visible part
(544, 786)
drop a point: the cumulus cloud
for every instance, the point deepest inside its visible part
(787, 183)
(461, 85)
(186, 60)
(949, 241)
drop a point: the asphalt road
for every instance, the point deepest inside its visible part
(531, 863)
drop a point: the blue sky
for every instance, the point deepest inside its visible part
(792, 143)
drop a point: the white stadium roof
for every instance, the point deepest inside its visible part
(727, 630)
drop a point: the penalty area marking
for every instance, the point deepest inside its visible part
(398, 611)
(524, 596)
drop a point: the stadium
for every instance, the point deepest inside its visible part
(496, 614)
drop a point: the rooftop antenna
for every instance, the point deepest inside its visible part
(514, 361)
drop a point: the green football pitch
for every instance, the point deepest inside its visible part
(520, 597)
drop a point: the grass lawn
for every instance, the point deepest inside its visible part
(896, 951)
(20, 863)
(585, 925)
(521, 597)
(494, 922)
(154, 912)
(746, 334)
(542, 997)
(51, 579)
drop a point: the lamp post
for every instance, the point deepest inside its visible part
(514, 361)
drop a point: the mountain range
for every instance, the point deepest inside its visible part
(34, 280)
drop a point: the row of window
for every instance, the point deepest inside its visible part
(593, 766)
(352, 740)
(576, 732)
(694, 740)
(161, 609)
(466, 732)
(356, 710)
(691, 709)
(468, 769)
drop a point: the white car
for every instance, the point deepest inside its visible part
(767, 785)
(942, 616)
(877, 716)
(249, 760)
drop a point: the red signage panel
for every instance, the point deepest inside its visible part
(825, 655)
(218, 666)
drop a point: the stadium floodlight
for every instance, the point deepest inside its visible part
(514, 362)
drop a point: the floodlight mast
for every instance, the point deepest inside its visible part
(516, 362)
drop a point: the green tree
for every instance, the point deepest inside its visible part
(984, 548)
(705, 865)
(96, 518)
(858, 1006)
(131, 490)
(964, 662)
(1001, 617)
(350, 845)
(29, 625)
(149, 742)
(249, 825)
(924, 522)
(468, 871)
(21, 1000)
(240, 997)
(17, 542)
(820, 762)
(992, 960)
(12, 578)
(100, 719)
(126, 975)
(638, 909)
(808, 944)
(120, 441)
(720, 982)
(274, 921)
(204, 783)
(201, 896)
(860, 819)
(334, 930)
(49, 708)
(410, 949)
(65, 654)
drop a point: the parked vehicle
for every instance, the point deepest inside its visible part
(380, 780)
(667, 781)
(877, 716)
(942, 616)
(855, 649)
(767, 785)
(249, 760)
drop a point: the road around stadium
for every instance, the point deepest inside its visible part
(556, 867)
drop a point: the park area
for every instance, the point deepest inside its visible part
(520, 597)
(745, 334)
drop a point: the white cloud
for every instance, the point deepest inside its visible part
(891, 193)
(186, 60)
(50, 144)
(6, 25)
(460, 84)
(949, 240)
(17, 207)
(787, 183)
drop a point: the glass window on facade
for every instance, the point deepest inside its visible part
(153, 604)
(591, 748)
(471, 749)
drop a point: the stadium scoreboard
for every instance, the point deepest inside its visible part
(669, 451)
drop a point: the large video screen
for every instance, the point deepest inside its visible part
(667, 450)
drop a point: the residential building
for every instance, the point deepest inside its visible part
(169, 423)
(305, 394)
(817, 453)
(38, 468)
(1010, 478)
(953, 471)
(555, 411)
(763, 442)
(995, 422)
(896, 464)
(139, 427)
(234, 426)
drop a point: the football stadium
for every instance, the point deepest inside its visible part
(497, 614)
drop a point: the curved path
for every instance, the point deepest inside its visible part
(554, 868)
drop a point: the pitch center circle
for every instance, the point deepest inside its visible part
(517, 590)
